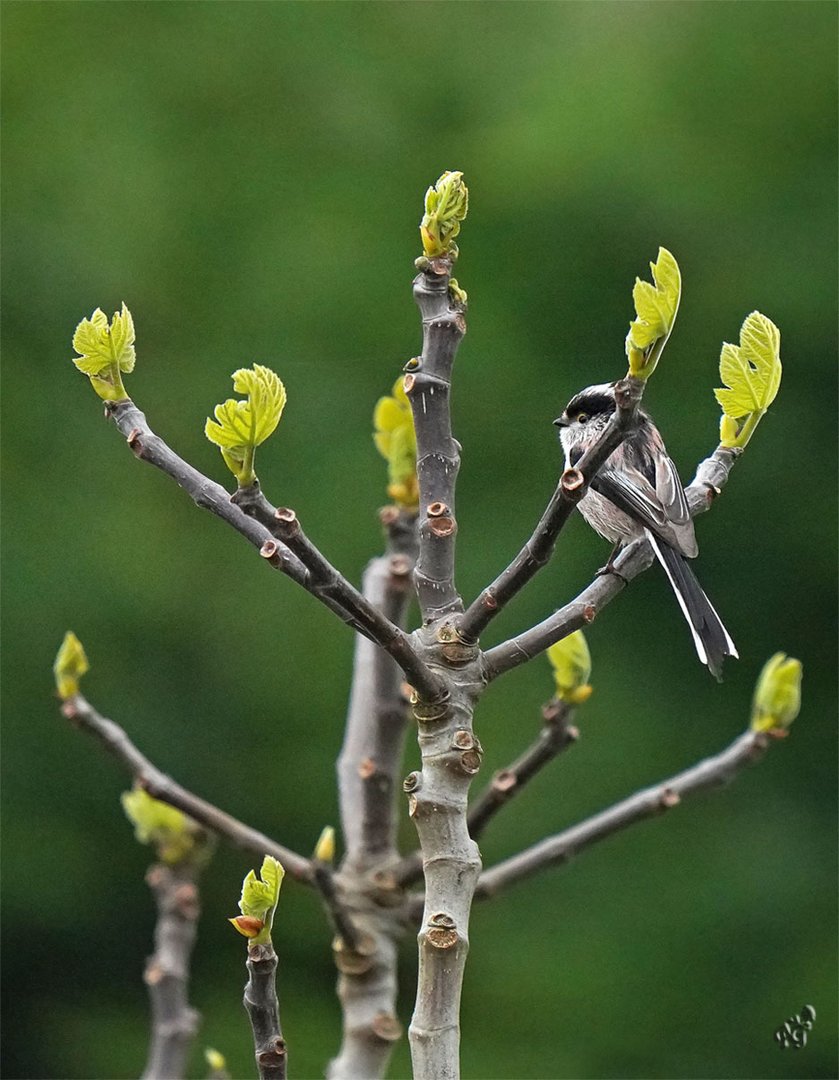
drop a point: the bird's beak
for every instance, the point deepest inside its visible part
(562, 421)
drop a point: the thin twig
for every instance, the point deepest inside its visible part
(711, 476)
(263, 1010)
(556, 735)
(572, 486)
(174, 1022)
(326, 581)
(428, 386)
(157, 784)
(648, 803)
(342, 922)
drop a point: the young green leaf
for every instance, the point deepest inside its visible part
(777, 698)
(240, 426)
(396, 441)
(70, 664)
(106, 351)
(175, 835)
(446, 206)
(259, 900)
(751, 372)
(656, 307)
(571, 663)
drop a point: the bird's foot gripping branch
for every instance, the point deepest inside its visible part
(617, 473)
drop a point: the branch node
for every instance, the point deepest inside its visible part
(366, 768)
(442, 526)
(386, 1027)
(463, 740)
(572, 483)
(427, 712)
(408, 383)
(669, 798)
(414, 364)
(399, 566)
(412, 782)
(354, 961)
(589, 613)
(437, 509)
(504, 781)
(470, 762)
(442, 932)
(270, 551)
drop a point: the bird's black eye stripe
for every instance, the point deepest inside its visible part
(590, 404)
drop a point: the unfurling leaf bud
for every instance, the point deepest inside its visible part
(106, 351)
(175, 835)
(70, 664)
(777, 698)
(571, 663)
(325, 847)
(656, 307)
(752, 374)
(446, 205)
(396, 441)
(240, 426)
(259, 900)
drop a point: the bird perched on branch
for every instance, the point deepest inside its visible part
(638, 493)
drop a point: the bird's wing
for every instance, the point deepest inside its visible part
(663, 509)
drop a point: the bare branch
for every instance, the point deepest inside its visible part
(557, 734)
(572, 486)
(174, 1022)
(325, 581)
(263, 1010)
(711, 476)
(651, 802)
(428, 386)
(157, 784)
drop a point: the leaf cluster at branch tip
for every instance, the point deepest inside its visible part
(777, 698)
(571, 663)
(106, 351)
(240, 426)
(656, 306)
(258, 903)
(173, 833)
(446, 206)
(751, 372)
(396, 441)
(70, 664)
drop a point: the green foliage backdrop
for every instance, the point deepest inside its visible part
(248, 178)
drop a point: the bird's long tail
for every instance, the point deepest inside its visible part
(712, 640)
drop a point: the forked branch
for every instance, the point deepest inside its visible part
(710, 478)
(572, 486)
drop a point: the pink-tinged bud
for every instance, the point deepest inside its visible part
(247, 925)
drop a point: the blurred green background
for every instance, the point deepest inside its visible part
(248, 178)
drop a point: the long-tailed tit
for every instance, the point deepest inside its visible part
(639, 493)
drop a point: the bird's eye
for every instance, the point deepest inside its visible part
(582, 417)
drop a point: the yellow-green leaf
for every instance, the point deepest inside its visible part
(173, 833)
(571, 663)
(70, 664)
(396, 441)
(106, 351)
(777, 698)
(751, 372)
(656, 306)
(240, 426)
(446, 206)
(260, 894)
